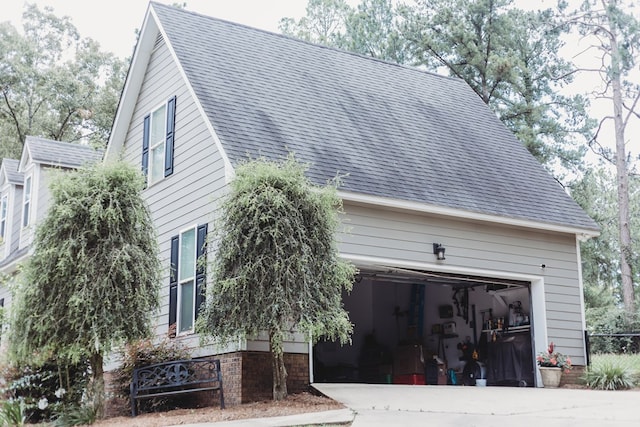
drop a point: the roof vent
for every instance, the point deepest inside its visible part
(159, 40)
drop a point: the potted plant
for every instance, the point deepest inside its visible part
(552, 364)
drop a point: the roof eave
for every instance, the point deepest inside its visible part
(582, 233)
(132, 85)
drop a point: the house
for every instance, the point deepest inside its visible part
(460, 236)
(24, 196)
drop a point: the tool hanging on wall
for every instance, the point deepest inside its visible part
(462, 303)
(456, 302)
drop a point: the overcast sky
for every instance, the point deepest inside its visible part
(113, 22)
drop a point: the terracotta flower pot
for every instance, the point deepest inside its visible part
(550, 376)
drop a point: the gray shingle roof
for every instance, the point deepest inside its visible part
(64, 154)
(11, 169)
(396, 131)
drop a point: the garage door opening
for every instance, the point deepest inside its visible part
(422, 327)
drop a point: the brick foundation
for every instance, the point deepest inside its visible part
(248, 378)
(257, 376)
(573, 377)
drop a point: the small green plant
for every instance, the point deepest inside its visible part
(75, 415)
(13, 412)
(554, 359)
(609, 376)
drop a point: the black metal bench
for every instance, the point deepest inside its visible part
(176, 377)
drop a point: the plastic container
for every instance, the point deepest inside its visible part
(481, 382)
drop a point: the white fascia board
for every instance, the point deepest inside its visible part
(13, 266)
(132, 85)
(408, 205)
(25, 158)
(228, 168)
(364, 261)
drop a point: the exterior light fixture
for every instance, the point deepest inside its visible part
(438, 250)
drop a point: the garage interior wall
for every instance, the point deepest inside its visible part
(380, 309)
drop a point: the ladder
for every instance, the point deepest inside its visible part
(416, 310)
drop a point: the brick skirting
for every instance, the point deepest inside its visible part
(247, 375)
(573, 377)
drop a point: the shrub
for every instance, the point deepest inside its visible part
(75, 415)
(42, 389)
(608, 376)
(144, 353)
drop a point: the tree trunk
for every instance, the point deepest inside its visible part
(278, 368)
(622, 177)
(96, 386)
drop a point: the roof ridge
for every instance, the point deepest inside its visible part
(64, 143)
(295, 39)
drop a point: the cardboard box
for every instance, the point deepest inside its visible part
(408, 360)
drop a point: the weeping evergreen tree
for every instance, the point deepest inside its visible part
(276, 267)
(92, 281)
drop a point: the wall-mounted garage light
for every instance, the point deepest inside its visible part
(438, 250)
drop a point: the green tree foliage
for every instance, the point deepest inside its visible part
(323, 24)
(510, 58)
(614, 35)
(596, 193)
(276, 267)
(92, 281)
(53, 83)
(372, 28)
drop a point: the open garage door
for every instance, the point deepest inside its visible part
(425, 327)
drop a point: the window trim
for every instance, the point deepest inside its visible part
(181, 281)
(161, 141)
(168, 136)
(200, 278)
(27, 203)
(4, 213)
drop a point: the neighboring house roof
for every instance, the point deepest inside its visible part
(398, 132)
(6, 264)
(10, 167)
(60, 154)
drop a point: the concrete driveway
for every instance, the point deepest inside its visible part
(405, 405)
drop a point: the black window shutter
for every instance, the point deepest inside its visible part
(173, 285)
(201, 268)
(145, 146)
(171, 126)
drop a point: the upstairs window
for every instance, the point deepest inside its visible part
(26, 204)
(157, 142)
(187, 278)
(4, 201)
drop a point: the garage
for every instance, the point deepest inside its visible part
(416, 326)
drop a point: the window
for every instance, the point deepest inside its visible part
(26, 205)
(157, 142)
(187, 278)
(3, 217)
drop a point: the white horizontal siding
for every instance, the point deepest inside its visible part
(186, 197)
(392, 234)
